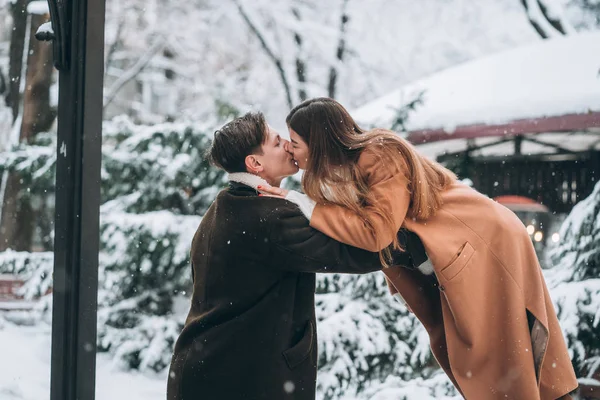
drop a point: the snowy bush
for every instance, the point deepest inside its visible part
(365, 337)
(156, 184)
(575, 283)
(160, 167)
(34, 268)
(144, 265)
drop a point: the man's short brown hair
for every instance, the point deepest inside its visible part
(236, 140)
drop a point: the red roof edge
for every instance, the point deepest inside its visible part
(567, 122)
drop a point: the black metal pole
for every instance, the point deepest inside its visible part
(78, 164)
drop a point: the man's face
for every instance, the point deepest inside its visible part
(277, 163)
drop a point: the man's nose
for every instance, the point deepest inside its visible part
(286, 146)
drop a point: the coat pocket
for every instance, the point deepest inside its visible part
(301, 350)
(459, 263)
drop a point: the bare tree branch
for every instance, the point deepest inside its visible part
(17, 55)
(340, 50)
(277, 61)
(133, 71)
(114, 45)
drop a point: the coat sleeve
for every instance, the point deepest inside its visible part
(295, 246)
(388, 187)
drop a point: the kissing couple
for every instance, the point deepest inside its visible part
(462, 263)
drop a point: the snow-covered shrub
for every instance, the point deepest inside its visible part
(575, 283)
(144, 265)
(34, 268)
(366, 337)
(156, 184)
(160, 167)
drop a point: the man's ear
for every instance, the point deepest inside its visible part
(253, 165)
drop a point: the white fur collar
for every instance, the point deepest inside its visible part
(247, 179)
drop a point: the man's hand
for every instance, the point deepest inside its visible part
(271, 191)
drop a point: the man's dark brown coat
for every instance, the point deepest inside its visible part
(251, 330)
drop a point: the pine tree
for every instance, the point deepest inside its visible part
(575, 284)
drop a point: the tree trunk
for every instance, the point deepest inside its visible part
(18, 11)
(18, 216)
(3, 87)
(339, 52)
(38, 116)
(300, 64)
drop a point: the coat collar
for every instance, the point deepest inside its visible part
(241, 180)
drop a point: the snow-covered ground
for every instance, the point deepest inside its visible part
(25, 370)
(25, 373)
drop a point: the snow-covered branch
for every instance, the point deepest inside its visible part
(133, 71)
(114, 45)
(547, 18)
(555, 15)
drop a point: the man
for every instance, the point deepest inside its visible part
(251, 330)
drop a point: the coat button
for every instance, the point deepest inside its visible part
(442, 288)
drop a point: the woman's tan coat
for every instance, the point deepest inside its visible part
(489, 281)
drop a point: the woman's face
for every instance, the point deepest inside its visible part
(299, 149)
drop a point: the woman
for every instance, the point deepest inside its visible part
(484, 302)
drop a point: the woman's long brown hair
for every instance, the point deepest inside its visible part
(335, 143)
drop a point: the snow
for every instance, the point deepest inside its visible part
(388, 43)
(16, 305)
(29, 378)
(547, 78)
(438, 387)
(158, 223)
(573, 141)
(5, 125)
(7, 277)
(362, 331)
(38, 7)
(46, 27)
(35, 269)
(589, 382)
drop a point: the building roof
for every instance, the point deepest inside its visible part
(548, 86)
